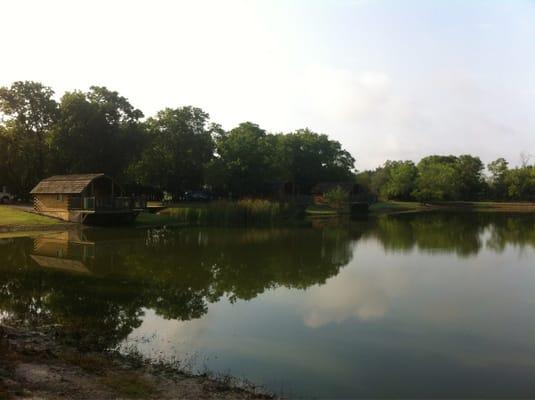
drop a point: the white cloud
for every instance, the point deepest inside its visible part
(366, 294)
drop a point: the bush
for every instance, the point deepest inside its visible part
(337, 198)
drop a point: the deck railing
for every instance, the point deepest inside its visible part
(107, 203)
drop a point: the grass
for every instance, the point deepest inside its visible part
(10, 217)
(384, 207)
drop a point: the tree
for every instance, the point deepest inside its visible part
(498, 170)
(438, 179)
(243, 160)
(336, 197)
(28, 111)
(180, 145)
(306, 158)
(97, 131)
(471, 182)
(399, 180)
(520, 183)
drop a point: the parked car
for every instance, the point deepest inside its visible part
(5, 196)
(197, 195)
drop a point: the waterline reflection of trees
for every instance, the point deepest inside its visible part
(464, 234)
(96, 287)
(97, 284)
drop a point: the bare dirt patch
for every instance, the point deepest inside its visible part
(34, 366)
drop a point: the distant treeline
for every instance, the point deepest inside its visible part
(450, 178)
(181, 149)
(178, 149)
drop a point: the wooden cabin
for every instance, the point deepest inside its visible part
(85, 198)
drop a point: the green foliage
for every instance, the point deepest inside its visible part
(249, 160)
(180, 149)
(243, 165)
(449, 178)
(306, 158)
(520, 183)
(97, 131)
(498, 170)
(176, 150)
(399, 179)
(179, 146)
(470, 175)
(27, 111)
(336, 198)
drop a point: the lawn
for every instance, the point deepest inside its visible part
(10, 217)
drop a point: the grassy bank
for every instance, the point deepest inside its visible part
(475, 206)
(15, 222)
(224, 213)
(10, 216)
(387, 207)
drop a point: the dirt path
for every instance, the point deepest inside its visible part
(34, 366)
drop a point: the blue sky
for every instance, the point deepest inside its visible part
(390, 79)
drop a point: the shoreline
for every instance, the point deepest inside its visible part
(33, 364)
(148, 220)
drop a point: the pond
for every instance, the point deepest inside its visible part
(413, 305)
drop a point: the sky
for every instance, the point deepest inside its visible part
(389, 79)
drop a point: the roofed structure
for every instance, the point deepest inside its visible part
(87, 198)
(65, 184)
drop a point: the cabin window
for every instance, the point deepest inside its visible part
(59, 197)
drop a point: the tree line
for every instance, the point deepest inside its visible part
(451, 178)
(181, 149)
(177, 149)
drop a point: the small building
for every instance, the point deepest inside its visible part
(85, 198)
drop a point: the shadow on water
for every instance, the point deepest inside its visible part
(96, 283)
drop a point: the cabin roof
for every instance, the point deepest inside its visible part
(65, 184)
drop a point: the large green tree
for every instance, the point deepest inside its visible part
(400, 179)
(498, 171)
(243, 162)
(470, 172)
(438, 179)
(520, 183)
(179, 146)
(28, 110)
(306, 158)
(97, 131)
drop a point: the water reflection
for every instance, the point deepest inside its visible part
(383, 289)
(96, 283)
(464, 234)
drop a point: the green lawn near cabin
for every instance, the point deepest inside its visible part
(10, 216)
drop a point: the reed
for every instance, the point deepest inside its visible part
(223, 212)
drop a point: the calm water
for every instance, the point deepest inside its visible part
(401, 306)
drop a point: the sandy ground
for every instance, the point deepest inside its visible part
(34, 366)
